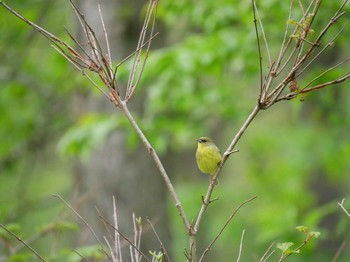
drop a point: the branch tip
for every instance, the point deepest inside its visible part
(231, 152)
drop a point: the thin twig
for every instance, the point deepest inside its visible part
(341, 204)
(80, 255)
(266, 254)
(23, 242)
(125, 237)
(130, 55)
(111, 250)
(339, 251)
(325, 72)
(159, 240)
(259, 50)
(51, 227)
(240, 246)
(85, 223)
(283, 47)
(137, 237)
(106, 38)
(318, 39)
(330, 43)
(295, 49)
(225, 225)
(333, 82)
(117, 243)
(153, 5)
(263, 33)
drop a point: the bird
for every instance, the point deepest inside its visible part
(208, 156)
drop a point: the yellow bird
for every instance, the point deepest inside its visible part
(208, 156)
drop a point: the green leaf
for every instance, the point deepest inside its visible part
(157, 256)
(314, 234)
(284, 246)
(303, 229)
(291, 251)
(138, 220)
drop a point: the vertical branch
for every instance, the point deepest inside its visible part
(279, 68)
(256, 13)
(117, 243)
(137, 237)
(109, 56)
(262, 93)
(153, 4)
(240, 246)
(193, 248)
(284, 46)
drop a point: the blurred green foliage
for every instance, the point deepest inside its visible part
(294, 157)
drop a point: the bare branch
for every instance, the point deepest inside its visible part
(256, 12)
(339, 251)
(235, 140)
(23, 242)
(225, 225)
(284, 46)
(341, 204)
(111, 250)
(137, 237)
(326, 71)
(158, 163)
(330, 43)
(109, 56)
(267, 254)
(333, 82)
(125, 237)
(152, 7)
(117, 243)
(85, 223)
(262, 93)
(279, 69)
(159, 240)
(240, 246)
(80, 255)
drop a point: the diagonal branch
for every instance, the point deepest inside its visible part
(341, 204)
(85, 223)
(23, 242)
(125, 237)
(158, 163)
(228, 152)
(224, 226)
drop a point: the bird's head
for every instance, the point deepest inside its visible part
(204, 141)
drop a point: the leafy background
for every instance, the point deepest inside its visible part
(203, 80)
